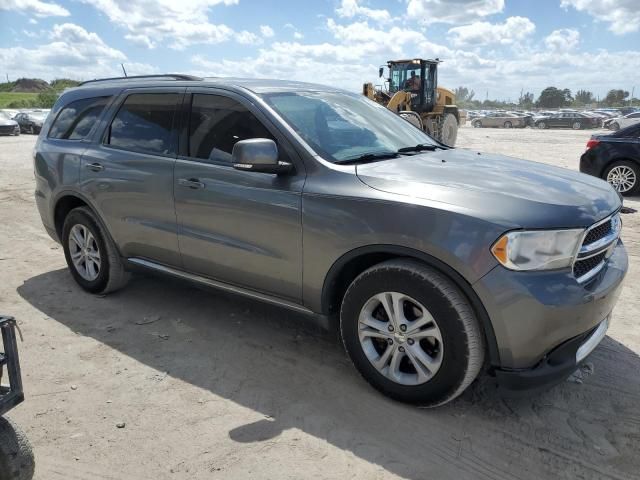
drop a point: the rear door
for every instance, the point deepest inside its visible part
(239, 227)
(128, 173)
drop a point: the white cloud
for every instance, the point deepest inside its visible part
(483, 33)
(298, 35)
(266, 31)
(352, 8)
(70, 51)
(562, 40)
(140, 40)
(623, 16)
(35, 7)
(182, 23)
(452, 11)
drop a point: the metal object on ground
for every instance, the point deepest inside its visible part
(11, 393)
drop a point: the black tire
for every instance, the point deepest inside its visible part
(628, 164)
(462, 339)
(476, 124)
(615, 126)
(112, 274)
(507, 124)
(16, 457)
(576, 126)
(541, 125)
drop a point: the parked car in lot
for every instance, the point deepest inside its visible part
(320, 201)
(617, 123)
(499, 119)
(8, 126)
(573, 120)
(615, 158)
(30, 122)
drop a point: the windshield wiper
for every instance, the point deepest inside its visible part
(421, 147)
(368, 157)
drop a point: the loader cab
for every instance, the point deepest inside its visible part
(418, 77)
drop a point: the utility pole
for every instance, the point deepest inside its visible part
(633, 89)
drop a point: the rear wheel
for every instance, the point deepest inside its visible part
(576, 125)
(541, 125)
(476, 124)
(507, 125)
(16, 456)
(615, 126)
(411, 333)
(624, 176)
(91, 255)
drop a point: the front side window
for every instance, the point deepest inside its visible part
(144, 123)
(217, 123)
(342, 126)
(74, 122)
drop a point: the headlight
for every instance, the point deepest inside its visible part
(537, 249)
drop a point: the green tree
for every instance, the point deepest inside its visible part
(552, 97)
(583, 97)
(526, 100)
(464, 97)
(46, 99)
(616, 98)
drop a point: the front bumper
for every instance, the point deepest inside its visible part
(535, 313)
(556, 366)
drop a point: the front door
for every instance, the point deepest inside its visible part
(129, 174)
(238, 227)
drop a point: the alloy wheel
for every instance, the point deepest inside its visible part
(400, 338)
(622, 178)
(84, 252)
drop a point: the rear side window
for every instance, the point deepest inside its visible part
(74, 122)
(217, 123)
(144, 123)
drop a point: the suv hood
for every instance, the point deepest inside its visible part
(510, 191)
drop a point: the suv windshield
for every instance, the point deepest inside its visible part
(342, 126)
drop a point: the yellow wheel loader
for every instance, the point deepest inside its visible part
(412, 92)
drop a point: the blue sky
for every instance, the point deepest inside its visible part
(495, 47)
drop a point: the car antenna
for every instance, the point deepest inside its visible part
(123, 70)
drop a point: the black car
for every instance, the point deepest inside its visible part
(30, 122)
(615, 158)
(573, 120)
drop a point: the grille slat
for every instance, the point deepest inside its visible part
(582, 267)
(597, 233)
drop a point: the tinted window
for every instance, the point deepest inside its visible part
(217, 123)
(144, 123)
(74, 121)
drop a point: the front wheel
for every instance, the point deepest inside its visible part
(411, 333)
(615, 126)
(477, 124)
(541, 125)
(16, 457)
(576, 125)
(507, 125)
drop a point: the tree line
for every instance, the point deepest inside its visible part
(43, 99)
(550, 97)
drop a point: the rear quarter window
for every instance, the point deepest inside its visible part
(74, 122)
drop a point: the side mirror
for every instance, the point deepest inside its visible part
(380, 72)
(258, 155)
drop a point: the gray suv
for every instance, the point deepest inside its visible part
(438, 262)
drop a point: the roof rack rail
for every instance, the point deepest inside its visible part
(168, 76)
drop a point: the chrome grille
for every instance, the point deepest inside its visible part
(597, 245)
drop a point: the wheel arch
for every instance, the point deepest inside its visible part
(351, 264)
(67, 201)
(605, 167)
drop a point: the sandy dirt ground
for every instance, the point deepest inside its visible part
(211, 386)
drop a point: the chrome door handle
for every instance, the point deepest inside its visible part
(192, 183)
(96, 167)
